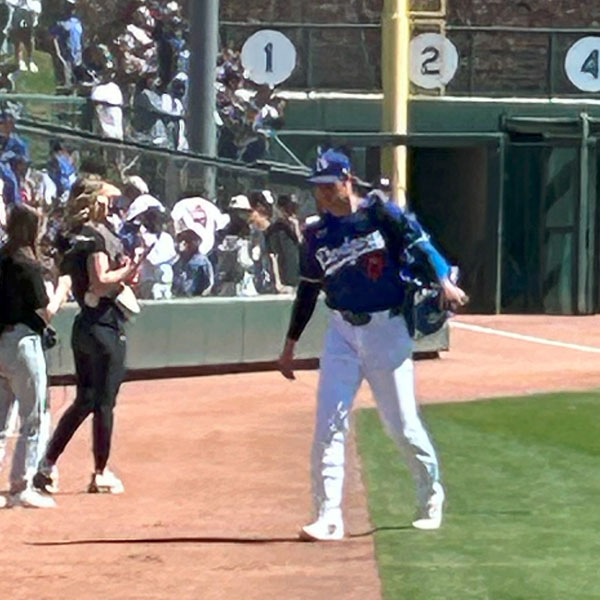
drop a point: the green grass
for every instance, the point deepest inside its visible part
(523, 518)
(37, 83)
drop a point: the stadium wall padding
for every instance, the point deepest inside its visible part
(202, 332)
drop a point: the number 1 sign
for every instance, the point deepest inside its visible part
(582, 64)
(269, 57)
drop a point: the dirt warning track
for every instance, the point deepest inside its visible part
(217, 479)
(217, 485)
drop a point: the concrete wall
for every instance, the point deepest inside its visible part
(491, 63)
(210, 332)
(525, 13)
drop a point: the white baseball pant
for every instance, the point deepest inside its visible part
(380, 352)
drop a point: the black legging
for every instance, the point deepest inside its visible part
(99, 352)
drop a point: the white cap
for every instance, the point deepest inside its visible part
(268, 196)
(137, 182)
(200, 216)
(241, 202)
(142, 204)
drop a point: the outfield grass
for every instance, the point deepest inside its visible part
(37, 83)
(522, 519)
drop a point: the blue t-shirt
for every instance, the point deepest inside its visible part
(15, 144)
(62, 171)
(358, 259)
(69, 34)
(192, 277)
(12, 189)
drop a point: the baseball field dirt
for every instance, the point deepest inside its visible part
(217, 478)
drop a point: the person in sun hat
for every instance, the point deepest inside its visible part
(149, 218)
(202, 216)
(95, 260)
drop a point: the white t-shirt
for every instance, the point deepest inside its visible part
(175, 107)
(108, 99)
(47, 189)
(201, 216)
(157, 265)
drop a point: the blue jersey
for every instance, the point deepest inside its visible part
(69, 34)
(12, 189)
(63, 173)
(192, 277)
(358, 259)
(15, 144)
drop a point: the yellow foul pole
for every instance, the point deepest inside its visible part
(395, 74)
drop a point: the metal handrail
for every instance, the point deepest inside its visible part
(517, 29)
(299, 25)
(377, 25)
(27, 126)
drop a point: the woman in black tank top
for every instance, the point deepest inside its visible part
(99, 270)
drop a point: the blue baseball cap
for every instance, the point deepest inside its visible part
(331, 166)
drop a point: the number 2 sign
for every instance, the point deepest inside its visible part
(582, 64)
(433, 60)
(269, 57)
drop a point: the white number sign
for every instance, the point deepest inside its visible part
(582, 64)
(269, 57)
(433, 60)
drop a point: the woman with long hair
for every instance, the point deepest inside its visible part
(98, 267)
(25, 311)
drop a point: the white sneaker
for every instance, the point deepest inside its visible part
(3, 502)
(327, 528)
(23, 65)
(31, 498)
(431, 517)
(33, 67)
(105, 483)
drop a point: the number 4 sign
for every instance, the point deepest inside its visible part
(582, 64)
(433, 60)
(269, 57)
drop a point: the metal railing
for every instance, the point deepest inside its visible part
(44, 117)
(169, 174)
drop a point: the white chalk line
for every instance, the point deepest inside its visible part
(524, 338)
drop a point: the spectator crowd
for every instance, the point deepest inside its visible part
(131, 58)
(135, 71)
(194, 248)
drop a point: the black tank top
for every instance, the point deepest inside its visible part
(83, 242)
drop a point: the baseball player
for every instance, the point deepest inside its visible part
(354, 253)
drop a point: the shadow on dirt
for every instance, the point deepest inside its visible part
(205, 540)
(382, 529)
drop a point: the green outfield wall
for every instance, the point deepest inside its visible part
(210, 332)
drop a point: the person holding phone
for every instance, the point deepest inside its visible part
(26, 308)
(99, 269)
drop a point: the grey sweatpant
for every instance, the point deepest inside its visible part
(22, 376)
